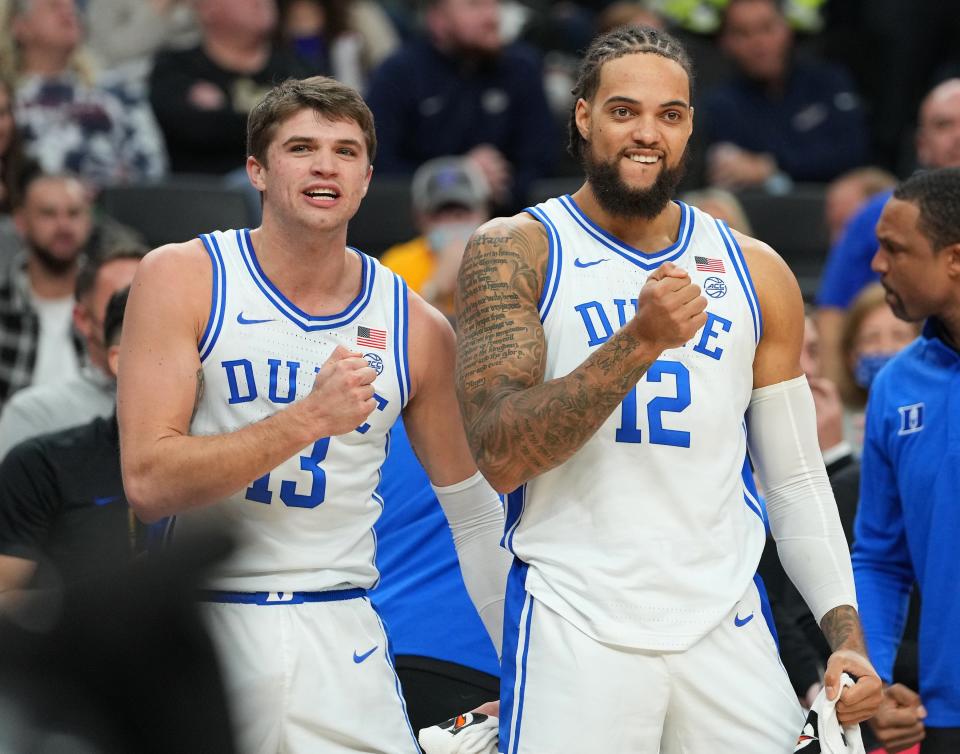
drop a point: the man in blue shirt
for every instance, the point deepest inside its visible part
(908, 518)
(847, 270)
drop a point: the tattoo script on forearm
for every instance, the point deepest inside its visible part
(518, 425)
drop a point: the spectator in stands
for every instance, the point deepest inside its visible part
(848, 269)
(458, 90)
(450, 201)
(69, 121)
(15, 168)
(908, 516)
(847, 193)
(37, 342)
(781, 118)
(64, 517)
(721, 205)
(345, 39)
(872, 335)
(444, 658)
(40, 409)
(202, 95)
(126, 34)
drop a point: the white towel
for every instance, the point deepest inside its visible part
(823, 733)
(469, 733)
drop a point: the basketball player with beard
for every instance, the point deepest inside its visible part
(619, 353)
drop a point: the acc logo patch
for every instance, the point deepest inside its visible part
(374, 361)
(714, 287)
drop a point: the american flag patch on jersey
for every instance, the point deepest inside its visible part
(709, 264)
(371, 337)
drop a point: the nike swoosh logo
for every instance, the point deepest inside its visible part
(244, 321)
(360, 658)
(105, 500)
(738, 621)
(578, 263)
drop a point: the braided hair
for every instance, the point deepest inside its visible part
(625, 40)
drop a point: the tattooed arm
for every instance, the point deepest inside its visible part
(518, 425)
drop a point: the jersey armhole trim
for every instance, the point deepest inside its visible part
(218, 297)
(743, 275)
(401, 312)
(554, 263)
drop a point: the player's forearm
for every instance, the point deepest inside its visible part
(178, 472)
(517, 432)
(842, 630)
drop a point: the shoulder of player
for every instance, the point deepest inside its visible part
(186, 264)
(430, 330)
(777, 289)
(506, 249)
(432, 343)
(177, 277)
(520, 235)
(770, 273)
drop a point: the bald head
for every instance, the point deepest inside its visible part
(938, 132)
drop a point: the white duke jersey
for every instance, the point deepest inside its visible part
(308, 524)
(648, 535)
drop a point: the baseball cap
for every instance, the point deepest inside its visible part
(448, 181)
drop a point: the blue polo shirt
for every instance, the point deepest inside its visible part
(909, 517)
(421, 595)
(847, 271)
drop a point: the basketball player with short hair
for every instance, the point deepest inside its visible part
(262, 370)
(618, 354)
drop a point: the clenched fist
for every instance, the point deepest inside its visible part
(343, 391)
(670, 308)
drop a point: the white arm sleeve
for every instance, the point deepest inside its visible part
(475, 515)
(782, 436)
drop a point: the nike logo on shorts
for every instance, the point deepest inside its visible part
(578, 263)
(360, 658)
(738, 621)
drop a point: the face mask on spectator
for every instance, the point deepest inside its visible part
(867, 367)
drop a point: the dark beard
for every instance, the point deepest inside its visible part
(51, 262)
(618, 199)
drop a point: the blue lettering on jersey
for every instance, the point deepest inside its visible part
(292, 366)
(589, 311)
(709, 332)
(621, 305)
(250, 387)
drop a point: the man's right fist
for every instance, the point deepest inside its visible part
(343, 391)
(670, 308)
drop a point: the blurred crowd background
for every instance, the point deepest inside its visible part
(122, 127)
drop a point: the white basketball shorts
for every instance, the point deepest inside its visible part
(308, 677)
(563, 692)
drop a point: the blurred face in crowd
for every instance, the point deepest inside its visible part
(51, 25)
(468, 26)
(758, 39)
(636, 126)
(6, 119)
(55, 221)
(810, 353)
(843, 199)
(914, 274)
(89, 312)
(255, 18)
(316, 171)
(938, 136)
